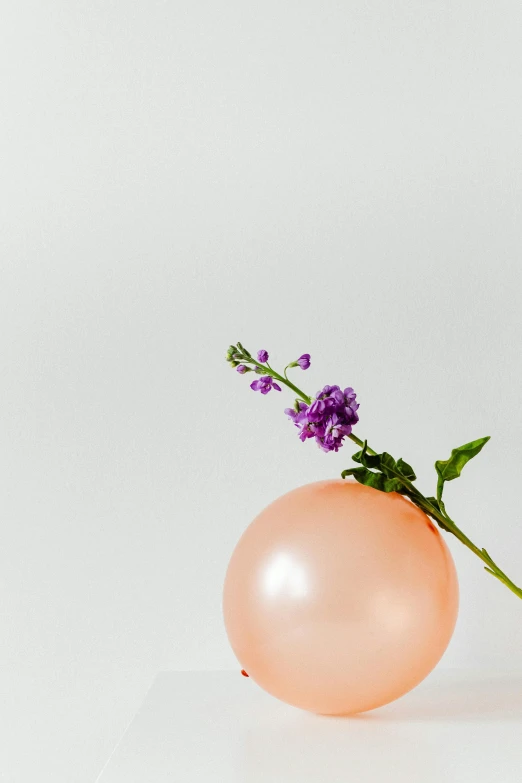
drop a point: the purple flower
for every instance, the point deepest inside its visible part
(241, 369)
(301, 420)
(264, 384)
(262, 356)
(329, 418)
(316, 411)
(334, 432)
(304, 361)
(293, 413)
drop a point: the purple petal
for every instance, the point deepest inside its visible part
(316, 410)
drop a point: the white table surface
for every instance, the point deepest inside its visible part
(219, 726)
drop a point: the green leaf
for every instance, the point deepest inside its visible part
(368, 460)
(451, 468)
(375, 480)
(389, 465)
(385, 463)
(406, 470)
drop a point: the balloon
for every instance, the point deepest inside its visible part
(340, 598)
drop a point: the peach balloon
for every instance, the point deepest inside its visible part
(340, 598)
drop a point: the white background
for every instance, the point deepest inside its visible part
(337, 178)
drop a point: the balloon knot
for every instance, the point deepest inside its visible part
(243, 672)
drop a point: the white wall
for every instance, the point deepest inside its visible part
(338, 178)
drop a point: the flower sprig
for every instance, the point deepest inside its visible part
(329, 418)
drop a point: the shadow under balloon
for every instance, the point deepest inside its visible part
(401, 741)
(484, 698)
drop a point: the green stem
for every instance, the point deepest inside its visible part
(267, 370)
(361, 443)
(448, 524)
(304, 397)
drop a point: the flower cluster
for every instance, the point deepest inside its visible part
(243, 361)
(328, 419)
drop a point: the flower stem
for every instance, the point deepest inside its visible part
(361, 443)
(267, 370)
(296, 389)
(446, 523)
